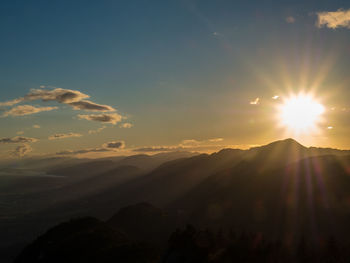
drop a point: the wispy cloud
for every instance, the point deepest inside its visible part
(159, 149)
(22, 150)
(36, 126)
(64, 136)
(90, 106)
(185, 145)
(335, 19)
(58, 94)
(126, 125)
(17, 139)
(73, 98)
(106, 147)
(255, 102)
(290, 19)
(216, 140)
(112, 118)
(97, 130)
(194, 143)
(26, 110)
(217, 34)
(89, 150)
(189, 142)
(11, 102)
(114, 145)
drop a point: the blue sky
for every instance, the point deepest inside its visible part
(175, 70)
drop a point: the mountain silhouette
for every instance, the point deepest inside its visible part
(172, 180)
(305, 196)
(283, 189)
(93, 167)
(85, 240)
(145, 223)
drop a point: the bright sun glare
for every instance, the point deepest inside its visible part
(301, 113)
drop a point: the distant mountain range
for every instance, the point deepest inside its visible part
(282, 189)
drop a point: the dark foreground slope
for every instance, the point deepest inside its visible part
(91, 240)
(85, 240)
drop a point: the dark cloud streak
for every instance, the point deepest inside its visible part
(17, 139)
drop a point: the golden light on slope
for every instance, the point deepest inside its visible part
(301, 113)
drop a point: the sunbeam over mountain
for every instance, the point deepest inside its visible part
(189, 131)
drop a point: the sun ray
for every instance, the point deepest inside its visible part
(300, 113)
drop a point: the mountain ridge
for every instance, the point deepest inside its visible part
(205, 189)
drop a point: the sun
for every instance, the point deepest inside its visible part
(301, 113)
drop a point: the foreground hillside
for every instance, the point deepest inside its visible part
(124, 238)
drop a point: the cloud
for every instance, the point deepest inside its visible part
(114, 145)
(112, 118)
(126, 125)
(63, 136)
(98, 130)
(190, 142)
(290, 19)
(90, 150)
(198, 143)
(339, 18)
(159, 149)
(185, 145)
(22, 150)
(198, 148)
(58, 94)
(217, 34)
(216, 140)
(26, 110)
(255, 102)
(74, 98)
(90, 106)
(20, 132)
(208, 147)
(17, 139)
(11, 102)
(35, 126)
(106, 147)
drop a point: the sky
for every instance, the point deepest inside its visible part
(125, 77)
